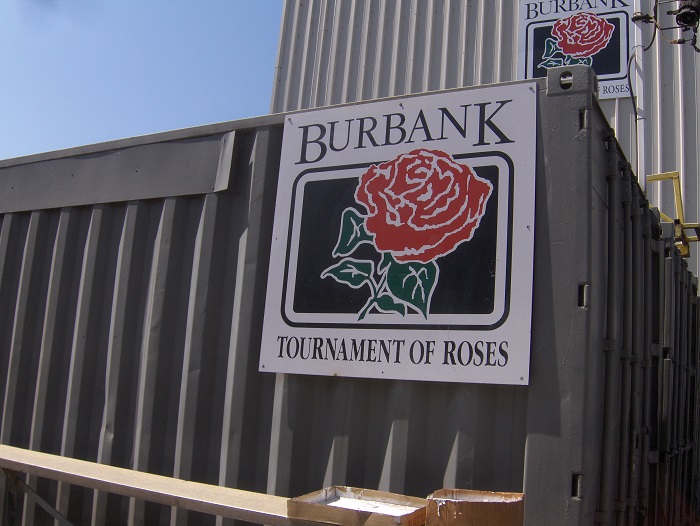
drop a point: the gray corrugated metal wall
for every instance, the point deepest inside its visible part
(131, 301)
(337, 51)
(126, 325)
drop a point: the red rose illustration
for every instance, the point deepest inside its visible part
(422, 204)
(583, 34)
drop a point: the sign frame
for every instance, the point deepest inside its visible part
(347, 297)
(598, 33)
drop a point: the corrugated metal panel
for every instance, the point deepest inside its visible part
(339, 51)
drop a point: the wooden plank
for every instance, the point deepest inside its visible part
(206, 498)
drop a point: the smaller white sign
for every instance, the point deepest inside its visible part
(597, 33)
(403, 239)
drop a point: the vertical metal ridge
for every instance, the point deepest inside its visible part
(235, 381)
(82, 326)
(323, 428)
(461, 56)
(380, 32)
(158, 393)
(461, 462)
(479, 15)
(335, 471)
(471, 23)
(10, 269)
(150, 349)
(83, 406)
(328, 71)
(308, 56)
(24, 347)
(339, 53)
(124, 335)
(637, 348)
(291, 74)
(245, 428)
(440, 33)
(398, 51)
(487, 40)
(324, 38)
(280, 70)
(452, 44)
(233, 422)
(508, 54)
(354, 78)
(412, 38)
(280, 458)
(193, 385)
(393, 468)
(499, 42)
(349, 73)
(425, 80)
(655, 98)
(367, 47)
(247, 432)
(56, 305)
(58, 294)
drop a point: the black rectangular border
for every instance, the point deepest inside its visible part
(360, 325)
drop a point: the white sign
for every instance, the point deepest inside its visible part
(597, 33)
(403, 239)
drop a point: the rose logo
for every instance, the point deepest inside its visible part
(419, 207)
(582, 34)
(576, 39)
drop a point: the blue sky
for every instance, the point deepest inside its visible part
(76, 72)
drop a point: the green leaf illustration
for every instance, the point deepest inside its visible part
(386, 303)
(551, 63)
(387, 260)
(551, 48)
(352, 233)
(413, 283)
(351, 272)
(570, 61)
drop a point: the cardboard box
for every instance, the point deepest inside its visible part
(474, 508)
(347, 506)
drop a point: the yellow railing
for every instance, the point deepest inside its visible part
(683, 233)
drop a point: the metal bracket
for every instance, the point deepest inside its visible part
(15, 484)
(681, 238)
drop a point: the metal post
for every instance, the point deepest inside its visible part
(9, 516)
(637, 348)
(15, 484)
(644, 497)
(611, 393)
(625, 355)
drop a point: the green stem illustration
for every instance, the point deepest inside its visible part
(376, 289)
